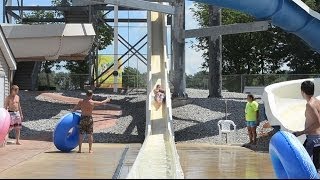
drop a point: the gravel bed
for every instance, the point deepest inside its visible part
(195, 122)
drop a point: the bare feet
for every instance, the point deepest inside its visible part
(90, 151)
(18, 143)
(246, 145)
(79, 151)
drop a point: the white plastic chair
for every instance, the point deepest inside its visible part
(224, 127)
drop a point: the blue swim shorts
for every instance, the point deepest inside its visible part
(251, 123)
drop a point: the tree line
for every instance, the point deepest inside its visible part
(248, 53)
(258, 52)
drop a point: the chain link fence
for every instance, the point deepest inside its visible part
(67, 81)
(231, 83)
(236, 83)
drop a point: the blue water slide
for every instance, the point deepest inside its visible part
(291, 15)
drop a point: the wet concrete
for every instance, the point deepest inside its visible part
(219, 162)
(39, 159)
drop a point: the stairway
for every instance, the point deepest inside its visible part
(23, 75)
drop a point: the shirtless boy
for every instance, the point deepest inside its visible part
(12, 104)
(312, 123)
(86, 122)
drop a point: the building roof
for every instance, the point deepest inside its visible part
(7, 53)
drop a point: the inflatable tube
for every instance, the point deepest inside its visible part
(289, 158)
(63, 140)
(4, 124)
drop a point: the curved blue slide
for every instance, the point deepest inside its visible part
(291, 15)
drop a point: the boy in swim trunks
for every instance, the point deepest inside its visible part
(312, 123)
(86, 122)
(12, 104)
(252, 117)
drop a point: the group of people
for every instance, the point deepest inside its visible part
(86, 105)
(312, 115)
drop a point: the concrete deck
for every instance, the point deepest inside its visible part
(40, 159)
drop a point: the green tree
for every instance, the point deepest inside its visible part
(103, 30)
(199, 80)
(243, 53)
(301, 59)
(78, 72)
(258, 52)
(104, 37)
(131, 77)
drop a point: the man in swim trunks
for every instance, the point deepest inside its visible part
(86, 122)
(12, 104)
(312, 123)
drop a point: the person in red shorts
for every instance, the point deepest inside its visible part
(12, 104)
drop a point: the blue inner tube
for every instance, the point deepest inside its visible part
(63, 140)
(289, 158)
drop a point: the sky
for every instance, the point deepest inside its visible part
(135, 32)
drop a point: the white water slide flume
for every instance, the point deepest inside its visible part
(158, 157)
(50, 41)
(285, 106)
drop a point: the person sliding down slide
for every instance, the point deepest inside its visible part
(159, 95)
(86, 122)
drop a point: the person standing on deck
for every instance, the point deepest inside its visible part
(312, 123)
(12, 104)
(252, 117)
(86, 122)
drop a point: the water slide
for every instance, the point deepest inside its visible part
(284, 104)
(158, 157)
(50, 41)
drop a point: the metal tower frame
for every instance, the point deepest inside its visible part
(178, 32)
(11, 13)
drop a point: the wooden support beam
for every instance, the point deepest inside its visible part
(228, 29)
(178, 51)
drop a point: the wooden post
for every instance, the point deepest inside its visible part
(178, 50)
(215, 55)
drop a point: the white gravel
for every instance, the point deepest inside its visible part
(194, 122)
